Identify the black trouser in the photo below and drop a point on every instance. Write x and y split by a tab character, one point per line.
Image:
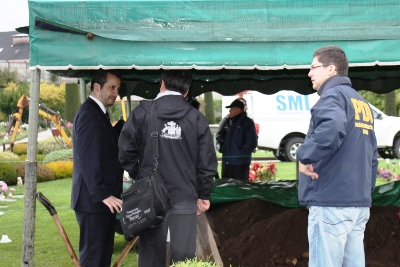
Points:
182	231
240	172
96	241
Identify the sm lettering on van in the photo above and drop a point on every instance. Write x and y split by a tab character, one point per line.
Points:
293	102
362	115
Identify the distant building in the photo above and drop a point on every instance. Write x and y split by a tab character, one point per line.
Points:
14	54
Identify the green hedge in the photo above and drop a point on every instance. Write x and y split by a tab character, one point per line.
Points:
8	174
59	155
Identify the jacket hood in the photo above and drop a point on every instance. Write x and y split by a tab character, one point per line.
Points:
168	106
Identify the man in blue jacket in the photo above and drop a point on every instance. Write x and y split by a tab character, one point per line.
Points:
337	164
240	142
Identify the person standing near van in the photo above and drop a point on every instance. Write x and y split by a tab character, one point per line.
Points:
240	142
337	164
223	128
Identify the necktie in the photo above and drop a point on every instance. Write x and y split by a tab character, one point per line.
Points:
107	115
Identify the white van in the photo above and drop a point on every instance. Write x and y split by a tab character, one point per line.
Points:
283	119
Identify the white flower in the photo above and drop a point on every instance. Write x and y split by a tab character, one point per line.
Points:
5	239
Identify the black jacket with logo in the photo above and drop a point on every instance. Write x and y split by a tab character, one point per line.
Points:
187	162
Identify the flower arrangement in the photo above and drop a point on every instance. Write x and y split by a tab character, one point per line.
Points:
387	175
260	173
3	190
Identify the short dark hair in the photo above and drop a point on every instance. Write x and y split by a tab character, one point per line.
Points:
177	80
100	77
193	101
333	55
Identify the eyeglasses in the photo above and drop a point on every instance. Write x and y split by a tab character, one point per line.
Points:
312	68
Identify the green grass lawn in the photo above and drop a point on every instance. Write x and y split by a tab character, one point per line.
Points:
19	136
49	247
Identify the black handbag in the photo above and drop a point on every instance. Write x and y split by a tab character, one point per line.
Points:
145	203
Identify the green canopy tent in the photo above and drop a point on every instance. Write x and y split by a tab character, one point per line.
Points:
231	46
234	45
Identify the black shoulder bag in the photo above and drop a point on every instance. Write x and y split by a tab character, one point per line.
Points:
145	203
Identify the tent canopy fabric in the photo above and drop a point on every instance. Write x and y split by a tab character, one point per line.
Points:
232	45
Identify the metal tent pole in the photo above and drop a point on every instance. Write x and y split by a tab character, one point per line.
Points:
28	230
82	87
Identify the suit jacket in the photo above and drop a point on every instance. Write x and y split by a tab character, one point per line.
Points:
97	172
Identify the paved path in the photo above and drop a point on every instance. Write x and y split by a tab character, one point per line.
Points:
41	135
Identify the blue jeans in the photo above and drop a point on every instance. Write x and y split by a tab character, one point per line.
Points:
335	236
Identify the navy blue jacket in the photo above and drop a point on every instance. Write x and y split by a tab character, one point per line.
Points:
240	141
341	146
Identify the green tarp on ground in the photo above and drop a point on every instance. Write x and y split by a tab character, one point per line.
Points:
280	192
284	193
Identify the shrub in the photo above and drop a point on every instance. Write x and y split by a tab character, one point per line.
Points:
61	169
7	173
48	145
20	168
39	157
43	174
8	156
63	155
20	148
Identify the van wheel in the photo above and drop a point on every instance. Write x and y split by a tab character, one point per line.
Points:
291	147
396	148
280	157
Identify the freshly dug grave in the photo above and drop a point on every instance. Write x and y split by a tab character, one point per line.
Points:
255	233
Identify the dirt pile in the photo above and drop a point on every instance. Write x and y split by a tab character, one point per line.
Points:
255	233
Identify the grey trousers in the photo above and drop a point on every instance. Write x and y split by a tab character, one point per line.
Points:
153	245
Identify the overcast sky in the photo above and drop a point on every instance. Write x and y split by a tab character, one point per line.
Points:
13	14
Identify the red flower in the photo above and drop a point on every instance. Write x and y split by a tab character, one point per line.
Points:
259	172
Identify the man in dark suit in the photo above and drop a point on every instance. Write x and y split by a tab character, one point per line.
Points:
97	174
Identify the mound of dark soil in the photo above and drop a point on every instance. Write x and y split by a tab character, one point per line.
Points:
255	233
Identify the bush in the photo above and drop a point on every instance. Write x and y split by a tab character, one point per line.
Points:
59	155
20	148
8	174
39	157
20	168
61	169
8	156
43	174
48	145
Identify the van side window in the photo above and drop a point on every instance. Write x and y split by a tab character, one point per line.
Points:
376	115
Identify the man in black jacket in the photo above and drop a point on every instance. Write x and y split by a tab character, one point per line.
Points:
240	142
97	174
187	164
